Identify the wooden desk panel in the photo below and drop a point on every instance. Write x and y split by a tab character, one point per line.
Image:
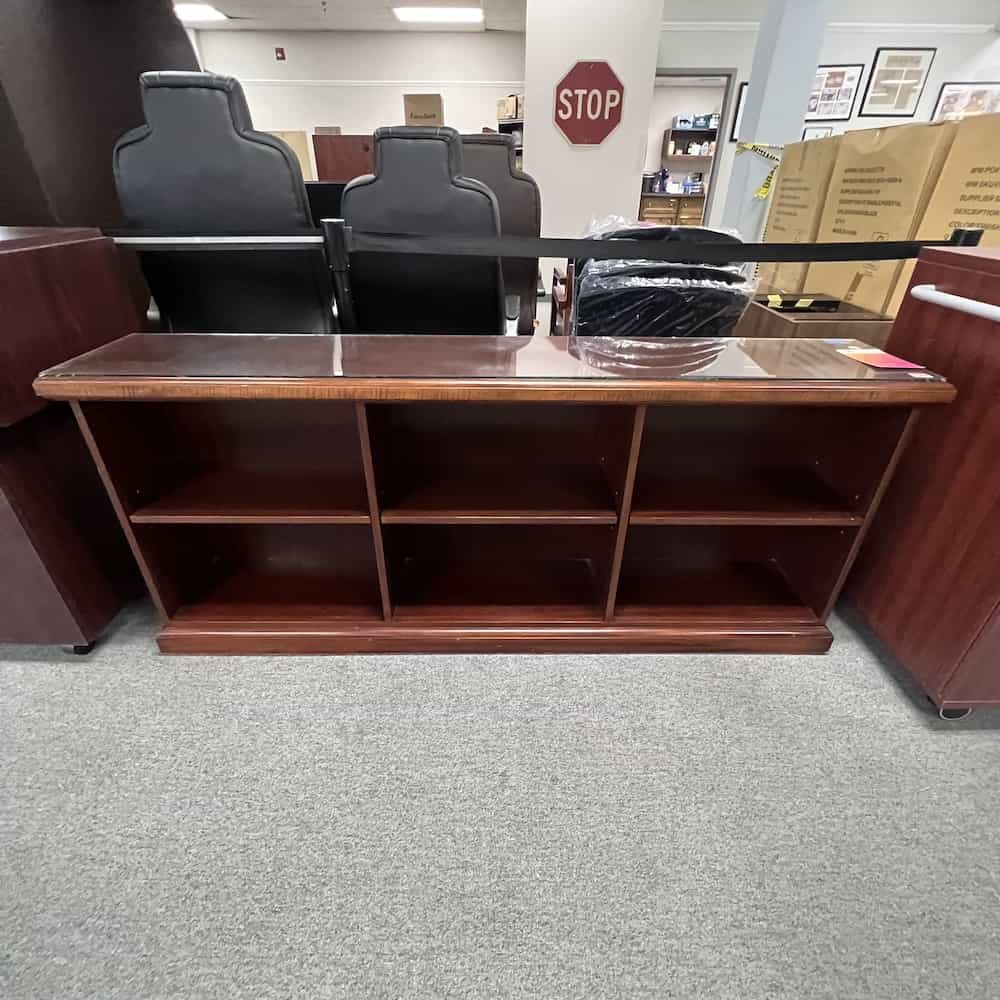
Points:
928	583
64	567
498	476
63	293
343	157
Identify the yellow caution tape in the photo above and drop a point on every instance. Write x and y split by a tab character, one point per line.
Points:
761	149
765	189
772	153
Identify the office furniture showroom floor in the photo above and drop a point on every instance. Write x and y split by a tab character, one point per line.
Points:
642	826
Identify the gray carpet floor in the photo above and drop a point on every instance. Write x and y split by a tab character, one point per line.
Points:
491	826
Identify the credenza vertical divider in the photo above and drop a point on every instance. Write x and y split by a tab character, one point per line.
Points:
872	509
374	507
164	601
625	508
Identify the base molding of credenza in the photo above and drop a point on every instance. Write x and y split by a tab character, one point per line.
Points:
347	638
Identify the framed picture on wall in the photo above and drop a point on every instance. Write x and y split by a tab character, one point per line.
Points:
897	81
960	100
834	92
734	133
817	132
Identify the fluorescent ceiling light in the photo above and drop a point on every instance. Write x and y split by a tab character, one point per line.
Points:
198	12
439	15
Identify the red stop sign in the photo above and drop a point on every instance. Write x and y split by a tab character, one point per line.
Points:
589	103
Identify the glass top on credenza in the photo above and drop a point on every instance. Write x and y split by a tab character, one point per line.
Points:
419	356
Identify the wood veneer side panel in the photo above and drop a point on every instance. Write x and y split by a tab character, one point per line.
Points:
625	511
161	588
928	580
976	678
374	390
59	301
371	488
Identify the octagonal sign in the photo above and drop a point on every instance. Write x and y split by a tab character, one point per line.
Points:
589	103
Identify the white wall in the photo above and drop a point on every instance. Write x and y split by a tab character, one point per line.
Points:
580	182
963	53
357	79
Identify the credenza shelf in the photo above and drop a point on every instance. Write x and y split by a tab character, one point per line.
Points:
249	596
560	518
555	494
242	496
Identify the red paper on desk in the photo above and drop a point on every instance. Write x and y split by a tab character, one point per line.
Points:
875	358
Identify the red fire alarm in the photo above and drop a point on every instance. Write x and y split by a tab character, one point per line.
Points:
279	53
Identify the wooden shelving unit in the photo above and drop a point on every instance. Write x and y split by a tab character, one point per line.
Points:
493	514
675	209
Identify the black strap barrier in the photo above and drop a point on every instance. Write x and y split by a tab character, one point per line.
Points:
673	252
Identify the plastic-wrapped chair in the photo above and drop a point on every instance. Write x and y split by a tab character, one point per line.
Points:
637	298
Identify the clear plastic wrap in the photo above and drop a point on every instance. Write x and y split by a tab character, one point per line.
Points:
643	298
624	305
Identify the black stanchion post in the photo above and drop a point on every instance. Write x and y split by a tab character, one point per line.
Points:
966	237
337	235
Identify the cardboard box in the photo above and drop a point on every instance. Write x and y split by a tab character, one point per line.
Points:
880	186
797	203
423	109
506	108
967	193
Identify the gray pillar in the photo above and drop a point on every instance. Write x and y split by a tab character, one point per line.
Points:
784	64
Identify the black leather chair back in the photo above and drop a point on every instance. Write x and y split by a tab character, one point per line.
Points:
491	159
197	167
418	187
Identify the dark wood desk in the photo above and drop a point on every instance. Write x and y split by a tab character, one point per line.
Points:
65	569
929	584
346	494
343	157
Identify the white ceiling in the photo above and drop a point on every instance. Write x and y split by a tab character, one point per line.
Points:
509	15
355	15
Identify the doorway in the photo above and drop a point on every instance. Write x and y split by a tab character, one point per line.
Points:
685	143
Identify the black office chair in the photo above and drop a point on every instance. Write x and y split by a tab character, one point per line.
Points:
491	159
418	187
197	168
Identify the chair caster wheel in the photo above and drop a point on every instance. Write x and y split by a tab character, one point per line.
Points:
954	714
83	648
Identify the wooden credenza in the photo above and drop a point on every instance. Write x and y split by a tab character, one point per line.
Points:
929	584
392	493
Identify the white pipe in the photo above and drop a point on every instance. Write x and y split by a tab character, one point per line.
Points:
972	307
234	241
